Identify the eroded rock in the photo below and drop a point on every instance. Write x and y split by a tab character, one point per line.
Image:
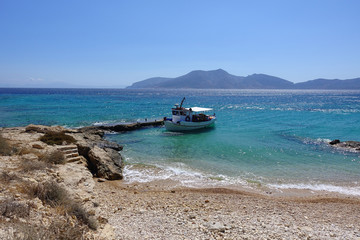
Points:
104	159
107	162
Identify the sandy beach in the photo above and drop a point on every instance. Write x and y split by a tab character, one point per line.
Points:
155	210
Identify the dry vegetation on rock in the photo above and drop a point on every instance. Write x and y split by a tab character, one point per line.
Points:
6	177
57	138
56	196
42	196
11	208
33	165
55	157
5	148
63	229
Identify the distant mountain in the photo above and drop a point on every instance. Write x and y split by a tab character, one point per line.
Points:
263	81
202	79
215	79
329	84
220	79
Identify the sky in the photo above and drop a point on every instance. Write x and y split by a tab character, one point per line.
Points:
114	43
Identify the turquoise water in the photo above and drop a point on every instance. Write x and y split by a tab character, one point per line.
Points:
275	138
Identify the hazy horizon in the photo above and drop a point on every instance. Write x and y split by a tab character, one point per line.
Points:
69	85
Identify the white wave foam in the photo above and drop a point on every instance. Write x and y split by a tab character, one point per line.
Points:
255	108
183	175
143	175
284	109
101	123
179	173
320	187
316	141
337	111
236	106
323	140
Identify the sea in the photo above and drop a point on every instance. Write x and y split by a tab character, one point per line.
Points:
273	139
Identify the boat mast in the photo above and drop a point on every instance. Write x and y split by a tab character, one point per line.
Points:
182	102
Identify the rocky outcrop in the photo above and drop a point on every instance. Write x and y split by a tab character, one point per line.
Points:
25	175
334	142
107	162
102	156
348	145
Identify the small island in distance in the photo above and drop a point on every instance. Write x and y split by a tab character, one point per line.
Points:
220	79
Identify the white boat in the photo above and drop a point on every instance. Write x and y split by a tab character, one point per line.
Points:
187	119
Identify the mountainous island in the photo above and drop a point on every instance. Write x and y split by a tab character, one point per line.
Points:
220	79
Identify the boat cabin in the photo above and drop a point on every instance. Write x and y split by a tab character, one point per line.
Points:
194	114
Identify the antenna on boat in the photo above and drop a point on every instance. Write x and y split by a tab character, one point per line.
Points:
182	102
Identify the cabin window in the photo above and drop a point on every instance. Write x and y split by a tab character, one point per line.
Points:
182	114
175	112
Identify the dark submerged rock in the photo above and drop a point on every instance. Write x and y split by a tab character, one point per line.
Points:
111	145
333	142
349	145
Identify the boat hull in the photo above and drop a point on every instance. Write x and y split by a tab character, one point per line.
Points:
187	126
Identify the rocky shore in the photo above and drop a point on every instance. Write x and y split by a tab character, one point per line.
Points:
47	181
58	183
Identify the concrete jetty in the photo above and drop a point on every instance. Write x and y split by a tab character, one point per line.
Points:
125	127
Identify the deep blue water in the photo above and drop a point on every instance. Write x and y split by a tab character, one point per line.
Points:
275	138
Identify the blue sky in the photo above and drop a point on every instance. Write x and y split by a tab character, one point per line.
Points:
115	43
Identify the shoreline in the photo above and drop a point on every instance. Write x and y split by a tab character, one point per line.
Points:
157	211
291	194
145	174
251	187
169	183
273	185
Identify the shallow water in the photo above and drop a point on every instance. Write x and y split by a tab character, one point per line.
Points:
274	138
